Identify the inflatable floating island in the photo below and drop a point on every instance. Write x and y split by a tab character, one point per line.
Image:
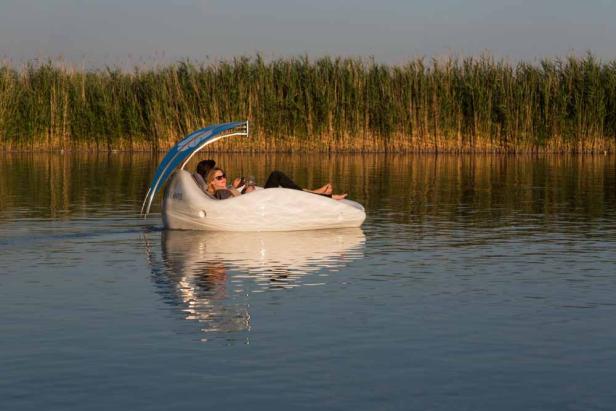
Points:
186	206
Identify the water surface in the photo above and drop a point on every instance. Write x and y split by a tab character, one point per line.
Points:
476	282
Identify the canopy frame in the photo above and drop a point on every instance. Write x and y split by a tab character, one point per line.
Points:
181	153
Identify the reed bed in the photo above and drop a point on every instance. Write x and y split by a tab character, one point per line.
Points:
327	104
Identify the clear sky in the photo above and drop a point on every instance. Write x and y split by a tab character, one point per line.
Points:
128	32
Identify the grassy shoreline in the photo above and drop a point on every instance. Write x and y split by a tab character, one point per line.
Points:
324	105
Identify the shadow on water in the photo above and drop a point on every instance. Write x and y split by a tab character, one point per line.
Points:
203	274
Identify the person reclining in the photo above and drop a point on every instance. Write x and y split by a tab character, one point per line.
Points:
217	185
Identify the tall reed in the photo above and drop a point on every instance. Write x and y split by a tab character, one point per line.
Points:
327	104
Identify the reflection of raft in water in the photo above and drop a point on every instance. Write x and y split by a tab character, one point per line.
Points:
263	252
185	206
193	271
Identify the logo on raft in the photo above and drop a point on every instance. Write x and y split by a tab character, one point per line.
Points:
193	142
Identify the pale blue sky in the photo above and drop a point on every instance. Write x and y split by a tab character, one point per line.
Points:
127	32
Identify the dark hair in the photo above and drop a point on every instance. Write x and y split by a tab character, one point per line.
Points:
204	167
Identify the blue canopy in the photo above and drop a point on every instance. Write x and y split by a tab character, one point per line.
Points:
185	149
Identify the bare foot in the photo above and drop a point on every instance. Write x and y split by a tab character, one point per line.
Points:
339	196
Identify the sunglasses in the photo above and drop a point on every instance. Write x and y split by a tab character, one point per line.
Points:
220	177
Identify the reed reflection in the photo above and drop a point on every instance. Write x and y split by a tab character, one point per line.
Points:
211	276
407	187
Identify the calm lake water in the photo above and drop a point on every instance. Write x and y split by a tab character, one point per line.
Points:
476	283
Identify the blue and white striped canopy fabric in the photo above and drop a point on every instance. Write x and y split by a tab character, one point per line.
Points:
184	150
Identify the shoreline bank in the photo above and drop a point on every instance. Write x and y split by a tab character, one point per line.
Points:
395	145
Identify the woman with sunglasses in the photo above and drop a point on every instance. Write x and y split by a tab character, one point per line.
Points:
217	185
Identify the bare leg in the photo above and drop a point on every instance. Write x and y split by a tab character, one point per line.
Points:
326	189
279	179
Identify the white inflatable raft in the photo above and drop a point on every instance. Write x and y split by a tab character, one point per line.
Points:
186	207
